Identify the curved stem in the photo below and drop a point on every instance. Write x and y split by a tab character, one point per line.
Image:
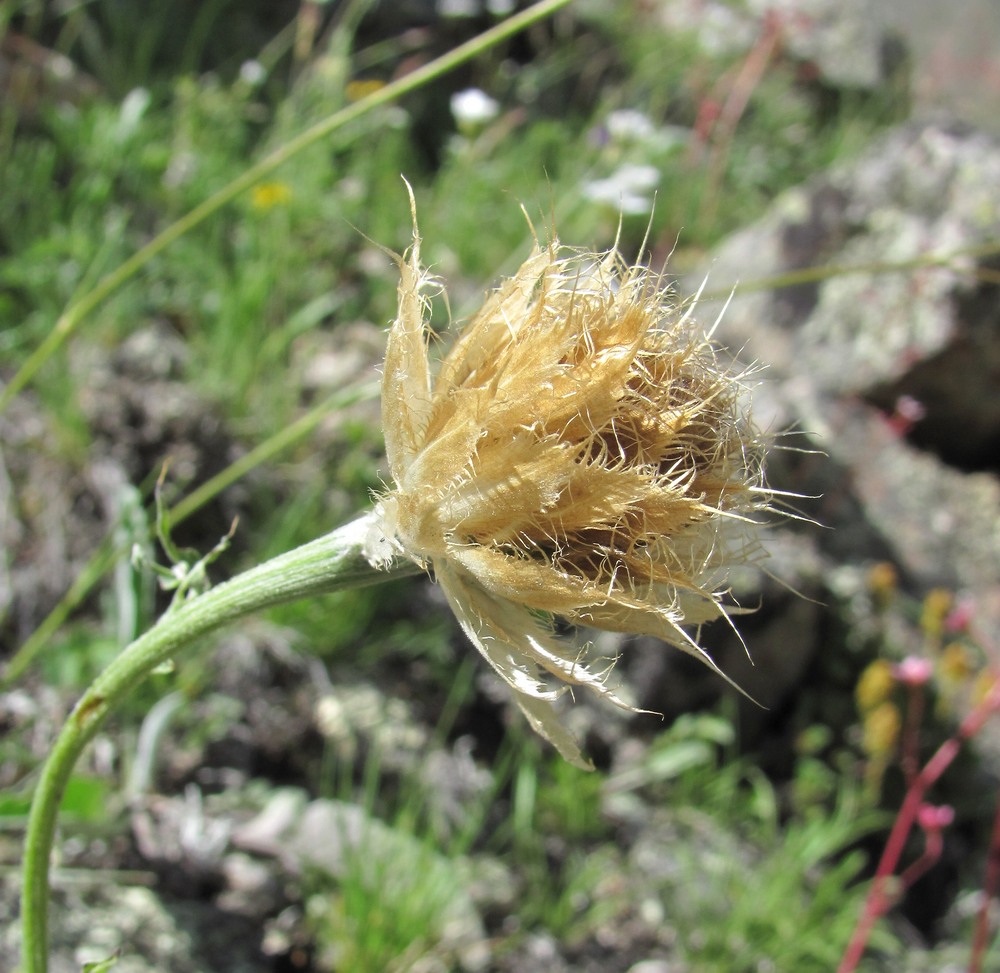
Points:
331	563
107	553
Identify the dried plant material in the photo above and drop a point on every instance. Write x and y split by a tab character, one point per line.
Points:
581	454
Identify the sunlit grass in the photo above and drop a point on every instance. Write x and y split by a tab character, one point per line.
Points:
210	206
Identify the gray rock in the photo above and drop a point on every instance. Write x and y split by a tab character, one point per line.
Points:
890	364
955	53
90	921
839	38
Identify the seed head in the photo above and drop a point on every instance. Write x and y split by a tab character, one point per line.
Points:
580	454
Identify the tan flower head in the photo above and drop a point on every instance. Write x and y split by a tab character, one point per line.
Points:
580	454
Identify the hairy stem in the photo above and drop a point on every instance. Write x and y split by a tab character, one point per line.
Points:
331	563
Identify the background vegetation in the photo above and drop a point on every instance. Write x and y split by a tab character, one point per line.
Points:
251	332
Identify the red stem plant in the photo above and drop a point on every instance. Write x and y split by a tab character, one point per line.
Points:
717	118
883	892
991	885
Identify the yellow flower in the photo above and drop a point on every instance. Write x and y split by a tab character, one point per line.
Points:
956	663
984	684
875	685
880	730
581	453
267	195
363	87
882	582
933	612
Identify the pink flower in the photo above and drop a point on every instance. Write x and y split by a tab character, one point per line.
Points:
935	817
960	617
914	671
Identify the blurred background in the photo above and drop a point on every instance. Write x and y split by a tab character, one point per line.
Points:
342	784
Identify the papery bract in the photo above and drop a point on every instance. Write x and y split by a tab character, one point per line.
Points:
581	453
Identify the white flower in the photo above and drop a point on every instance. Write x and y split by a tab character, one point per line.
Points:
629	125
627	190
252	73
473	108
457	8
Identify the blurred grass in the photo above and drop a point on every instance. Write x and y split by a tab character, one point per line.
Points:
176	110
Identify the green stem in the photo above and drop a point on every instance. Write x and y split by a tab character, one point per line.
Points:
331	563
108	554
822	272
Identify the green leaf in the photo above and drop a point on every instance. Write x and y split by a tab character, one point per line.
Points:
86	798
101	965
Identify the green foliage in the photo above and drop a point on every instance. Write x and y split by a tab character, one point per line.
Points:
756	879
87	798
788	900
395	889
123	45
747	888
389	907
102	965
683	755
568	803
78	656
86	801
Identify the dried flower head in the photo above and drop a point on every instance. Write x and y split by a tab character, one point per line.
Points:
579	455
